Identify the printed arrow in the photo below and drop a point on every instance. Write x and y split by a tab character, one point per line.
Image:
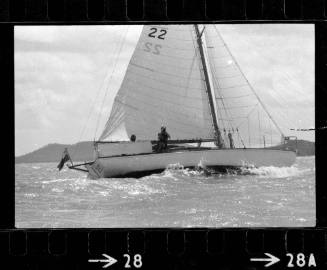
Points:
109	260
271	260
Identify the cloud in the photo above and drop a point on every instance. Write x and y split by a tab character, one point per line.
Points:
74	39
278	60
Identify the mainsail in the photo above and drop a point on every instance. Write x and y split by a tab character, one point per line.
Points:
163	86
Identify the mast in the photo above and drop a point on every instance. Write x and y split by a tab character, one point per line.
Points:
208	87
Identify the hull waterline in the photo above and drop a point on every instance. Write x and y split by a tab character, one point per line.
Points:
145	164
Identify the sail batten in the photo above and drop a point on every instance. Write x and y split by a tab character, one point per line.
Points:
171	89
166	82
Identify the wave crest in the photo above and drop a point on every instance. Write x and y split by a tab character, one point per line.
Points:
272	172
175	170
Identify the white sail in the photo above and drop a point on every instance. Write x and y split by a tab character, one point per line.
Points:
163	86
238	106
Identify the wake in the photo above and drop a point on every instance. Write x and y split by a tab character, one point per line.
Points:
175	170
273	172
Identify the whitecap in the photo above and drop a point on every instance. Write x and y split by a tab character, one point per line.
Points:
30	195
57	190
176	166
104	193
142	190
190	211
273	172
174	171
55	180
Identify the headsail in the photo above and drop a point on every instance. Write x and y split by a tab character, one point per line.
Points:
239	108
163	85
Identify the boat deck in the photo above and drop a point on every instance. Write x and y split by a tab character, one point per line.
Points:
174	148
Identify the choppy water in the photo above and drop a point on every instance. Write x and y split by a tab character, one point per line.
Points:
267	196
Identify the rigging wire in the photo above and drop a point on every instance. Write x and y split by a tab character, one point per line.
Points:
255	93
284	115
240	138
217	89
286	76
270	133
259	127
241	75
249	132
107	88
90	112
247	116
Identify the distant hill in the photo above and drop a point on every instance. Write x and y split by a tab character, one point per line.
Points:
304	148
83	151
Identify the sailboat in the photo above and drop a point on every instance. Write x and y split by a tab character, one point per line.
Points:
185	78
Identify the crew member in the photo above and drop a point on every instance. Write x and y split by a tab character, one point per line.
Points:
163	137
231	141
133	138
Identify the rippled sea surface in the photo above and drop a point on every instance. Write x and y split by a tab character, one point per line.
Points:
266	196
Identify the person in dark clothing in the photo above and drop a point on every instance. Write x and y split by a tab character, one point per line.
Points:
160	144
133	138
163	137
231	141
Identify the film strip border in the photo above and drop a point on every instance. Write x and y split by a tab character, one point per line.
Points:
171	249
176	249
177	10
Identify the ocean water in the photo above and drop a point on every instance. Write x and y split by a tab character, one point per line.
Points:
261	197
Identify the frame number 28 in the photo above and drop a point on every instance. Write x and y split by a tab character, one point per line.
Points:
133	261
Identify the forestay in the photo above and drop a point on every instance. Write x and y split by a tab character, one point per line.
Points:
163	86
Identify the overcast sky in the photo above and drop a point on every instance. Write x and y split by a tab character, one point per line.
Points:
62	74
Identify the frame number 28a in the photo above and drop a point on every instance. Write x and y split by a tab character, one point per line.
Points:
300	260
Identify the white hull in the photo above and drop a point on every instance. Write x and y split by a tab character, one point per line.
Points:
142	164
